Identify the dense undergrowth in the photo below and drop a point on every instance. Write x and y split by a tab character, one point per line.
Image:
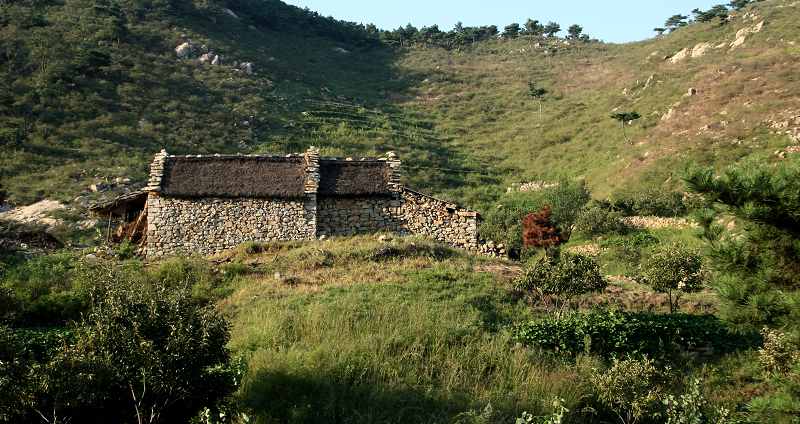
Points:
359	330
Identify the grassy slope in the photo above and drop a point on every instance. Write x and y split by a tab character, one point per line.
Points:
82	127
443	110
479	97
356	330
350	334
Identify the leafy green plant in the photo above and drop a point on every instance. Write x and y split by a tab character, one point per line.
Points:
610	333
631	388
673	270
596	220
556	417
649	202
141	355
555	280
503	223
778	354
688	407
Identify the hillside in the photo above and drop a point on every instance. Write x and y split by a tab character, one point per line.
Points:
746	99
90	93
91	89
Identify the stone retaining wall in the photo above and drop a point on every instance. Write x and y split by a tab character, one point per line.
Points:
211	225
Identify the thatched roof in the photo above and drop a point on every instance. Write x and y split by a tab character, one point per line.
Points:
353	178
234	176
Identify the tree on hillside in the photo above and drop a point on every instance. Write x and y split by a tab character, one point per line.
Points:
739	4
533	27
625	118
511	31
676	21
660	31
574	32
673	270
718	11
551	29
538	94
752	226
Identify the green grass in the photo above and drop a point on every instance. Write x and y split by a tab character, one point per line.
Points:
460	119
414	340
356	330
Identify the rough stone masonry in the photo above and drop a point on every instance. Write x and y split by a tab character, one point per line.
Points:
207	204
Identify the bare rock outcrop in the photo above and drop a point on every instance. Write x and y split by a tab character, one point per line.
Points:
741	35
700	50
185	50
37	213
680	56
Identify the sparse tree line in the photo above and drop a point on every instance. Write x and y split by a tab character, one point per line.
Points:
719	12
463	36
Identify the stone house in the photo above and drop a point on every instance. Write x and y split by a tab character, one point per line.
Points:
207	204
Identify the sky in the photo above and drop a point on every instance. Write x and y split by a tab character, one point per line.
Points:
609	20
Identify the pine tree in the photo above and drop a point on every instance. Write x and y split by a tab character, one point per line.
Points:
676	21
551	29
752	226
575	32
511	31
533	27
537	93
625	118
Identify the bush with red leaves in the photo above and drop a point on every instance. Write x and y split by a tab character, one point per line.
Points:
538	231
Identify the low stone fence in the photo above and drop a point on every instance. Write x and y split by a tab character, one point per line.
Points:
657	222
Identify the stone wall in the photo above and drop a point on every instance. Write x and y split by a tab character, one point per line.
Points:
440	220
211	225
342	216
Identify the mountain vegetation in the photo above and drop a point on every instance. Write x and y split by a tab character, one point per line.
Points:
647	194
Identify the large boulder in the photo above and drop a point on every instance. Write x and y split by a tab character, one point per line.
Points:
185	50
247	67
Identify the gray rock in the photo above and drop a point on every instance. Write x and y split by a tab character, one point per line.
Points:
185	50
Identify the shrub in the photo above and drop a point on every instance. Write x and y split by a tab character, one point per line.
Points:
630	387
44	290
14	376
779	354
140	354
504	223
649	202
557	280
692	407
673	270
596	221
538	230
609	333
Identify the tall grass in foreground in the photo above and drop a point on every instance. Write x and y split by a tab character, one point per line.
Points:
424	350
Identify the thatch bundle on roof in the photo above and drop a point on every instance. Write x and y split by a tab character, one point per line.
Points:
234	176
353	178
